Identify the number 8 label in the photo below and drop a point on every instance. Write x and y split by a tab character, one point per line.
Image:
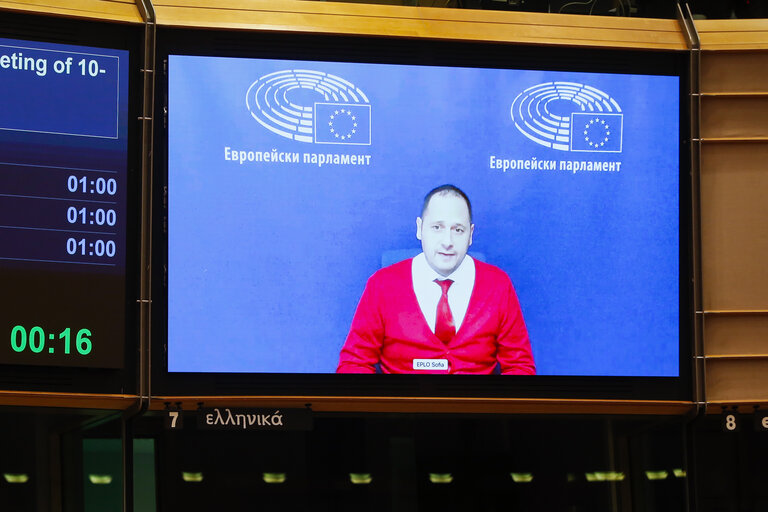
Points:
730	423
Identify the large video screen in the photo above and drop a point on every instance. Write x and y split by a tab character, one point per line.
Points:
63	201
299	240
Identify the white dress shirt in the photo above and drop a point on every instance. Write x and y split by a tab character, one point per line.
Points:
428	292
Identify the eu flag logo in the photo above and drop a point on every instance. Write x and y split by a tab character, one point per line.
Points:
594	131
343	123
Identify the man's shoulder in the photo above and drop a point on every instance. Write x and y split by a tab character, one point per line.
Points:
396	271
482	267
491	275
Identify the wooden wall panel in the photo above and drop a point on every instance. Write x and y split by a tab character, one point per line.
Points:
733	34
737	380
124	11
734	117
433	23
734	211
736	334
734	226
69	400
421	405
734	71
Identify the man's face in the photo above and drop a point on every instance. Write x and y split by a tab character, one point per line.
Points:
445	232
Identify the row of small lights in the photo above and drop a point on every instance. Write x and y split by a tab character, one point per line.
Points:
22	478
447	478
366	478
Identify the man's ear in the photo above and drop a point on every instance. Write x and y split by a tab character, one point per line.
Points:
418	228
471	231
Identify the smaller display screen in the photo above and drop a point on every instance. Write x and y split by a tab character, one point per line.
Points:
63	194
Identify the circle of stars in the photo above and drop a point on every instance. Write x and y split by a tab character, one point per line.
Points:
352	131
597	143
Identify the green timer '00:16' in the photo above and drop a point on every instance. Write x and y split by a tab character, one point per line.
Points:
37	338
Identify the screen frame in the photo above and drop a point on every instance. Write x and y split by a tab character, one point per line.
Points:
315	47
95	34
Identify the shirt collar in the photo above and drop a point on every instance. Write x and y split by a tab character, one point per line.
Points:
424	273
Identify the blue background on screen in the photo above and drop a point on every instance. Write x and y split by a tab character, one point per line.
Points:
60	89
267	260
56	125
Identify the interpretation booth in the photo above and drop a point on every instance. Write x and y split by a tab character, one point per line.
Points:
217	248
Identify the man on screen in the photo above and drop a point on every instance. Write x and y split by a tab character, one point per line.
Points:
442	311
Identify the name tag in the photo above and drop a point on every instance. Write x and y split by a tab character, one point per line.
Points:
430	364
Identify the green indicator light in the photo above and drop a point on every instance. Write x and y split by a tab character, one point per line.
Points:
273	478
50	350
522	478
188	476
605	476
440	478
360	478
100	479
16	478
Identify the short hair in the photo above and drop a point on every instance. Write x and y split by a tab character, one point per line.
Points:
446	190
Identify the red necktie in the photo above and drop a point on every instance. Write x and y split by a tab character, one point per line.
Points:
445	329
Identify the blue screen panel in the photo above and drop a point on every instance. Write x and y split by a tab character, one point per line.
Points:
289	181
64	201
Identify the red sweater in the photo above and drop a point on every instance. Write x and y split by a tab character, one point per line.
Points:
389	328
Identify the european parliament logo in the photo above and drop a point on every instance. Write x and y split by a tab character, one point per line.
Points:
311	106
569	116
